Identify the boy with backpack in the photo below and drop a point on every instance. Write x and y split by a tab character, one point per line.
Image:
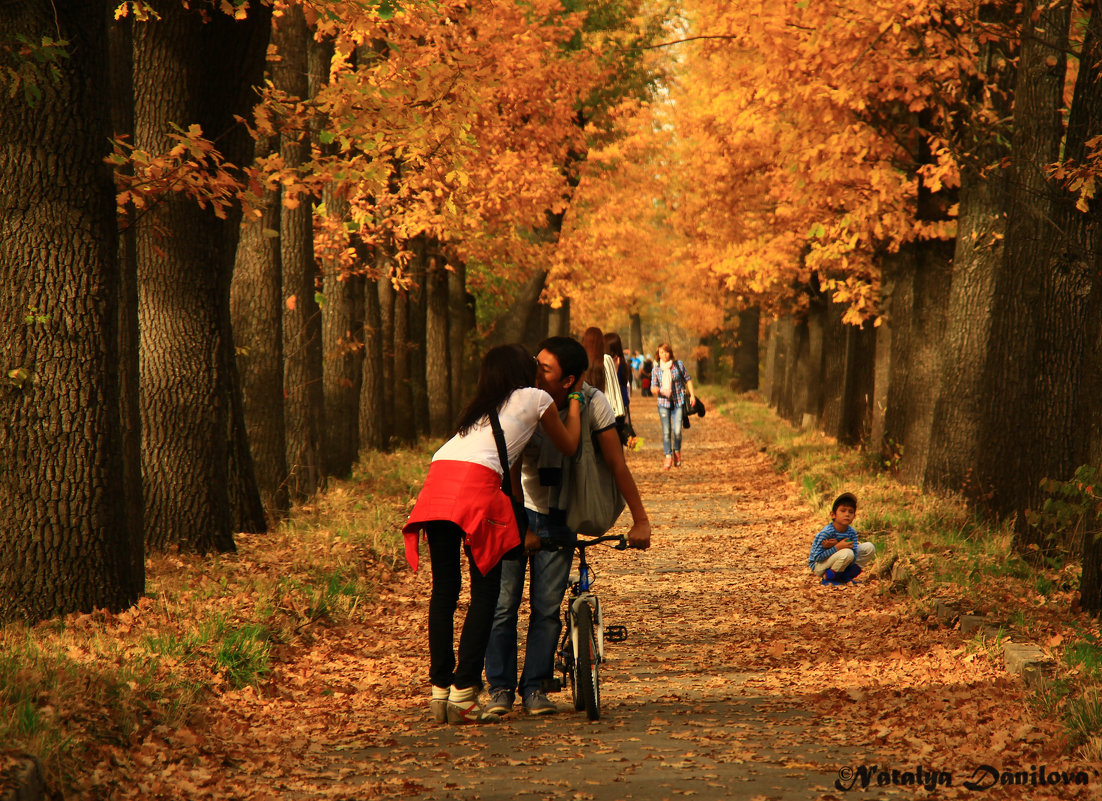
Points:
562	360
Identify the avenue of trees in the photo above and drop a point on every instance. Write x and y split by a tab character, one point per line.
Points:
908	191
243	240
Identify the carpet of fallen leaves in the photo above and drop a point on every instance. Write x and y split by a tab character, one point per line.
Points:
742	677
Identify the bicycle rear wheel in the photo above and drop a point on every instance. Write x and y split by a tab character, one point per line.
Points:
587	688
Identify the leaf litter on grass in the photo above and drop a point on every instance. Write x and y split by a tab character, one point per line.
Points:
740	673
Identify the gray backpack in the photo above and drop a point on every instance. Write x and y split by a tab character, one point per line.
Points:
593	501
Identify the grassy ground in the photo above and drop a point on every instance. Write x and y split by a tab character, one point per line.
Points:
931	546
204	627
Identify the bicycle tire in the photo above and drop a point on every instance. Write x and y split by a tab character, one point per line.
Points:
585	662
572	674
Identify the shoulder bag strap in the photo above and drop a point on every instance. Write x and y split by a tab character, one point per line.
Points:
502	453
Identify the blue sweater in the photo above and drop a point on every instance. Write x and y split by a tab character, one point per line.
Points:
819	553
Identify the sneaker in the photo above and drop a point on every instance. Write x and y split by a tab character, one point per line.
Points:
463	707
677	459
539	704
851	573
501	702
439	704
668	463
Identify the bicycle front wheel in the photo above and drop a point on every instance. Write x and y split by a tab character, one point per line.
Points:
586	682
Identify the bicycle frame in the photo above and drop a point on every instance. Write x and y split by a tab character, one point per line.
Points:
582	673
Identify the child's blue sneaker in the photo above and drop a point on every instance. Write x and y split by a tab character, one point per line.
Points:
850	573
831	579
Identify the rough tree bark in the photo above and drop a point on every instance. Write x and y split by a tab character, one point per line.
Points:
342	319
437	361
1028	390
302	371
457	336
256	303
373	433
65	543
189	71
746	350
418	310
384	287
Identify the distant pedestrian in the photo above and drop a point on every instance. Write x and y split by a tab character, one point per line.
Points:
673	384
645	373
615	348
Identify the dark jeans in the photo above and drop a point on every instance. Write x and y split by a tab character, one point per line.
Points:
547	585
445	541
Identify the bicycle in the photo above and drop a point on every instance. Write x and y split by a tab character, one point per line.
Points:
582	648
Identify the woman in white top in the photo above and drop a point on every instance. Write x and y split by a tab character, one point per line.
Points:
462	506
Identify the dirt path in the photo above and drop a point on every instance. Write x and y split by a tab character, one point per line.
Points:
741	677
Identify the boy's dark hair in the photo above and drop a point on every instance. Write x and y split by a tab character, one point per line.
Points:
570	354
845	499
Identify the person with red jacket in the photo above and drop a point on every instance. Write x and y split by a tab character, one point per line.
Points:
462	506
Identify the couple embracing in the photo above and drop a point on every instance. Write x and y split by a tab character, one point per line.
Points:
493	491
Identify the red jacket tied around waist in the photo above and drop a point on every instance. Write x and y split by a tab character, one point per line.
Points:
469	495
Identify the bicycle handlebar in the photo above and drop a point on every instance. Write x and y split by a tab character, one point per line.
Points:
551	545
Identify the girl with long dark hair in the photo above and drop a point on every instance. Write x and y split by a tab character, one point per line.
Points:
462	507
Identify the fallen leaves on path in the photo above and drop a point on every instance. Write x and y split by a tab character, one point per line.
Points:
741	676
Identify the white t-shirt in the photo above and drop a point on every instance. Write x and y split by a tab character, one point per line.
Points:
520	417
537	497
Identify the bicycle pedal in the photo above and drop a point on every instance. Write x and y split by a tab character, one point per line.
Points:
616	633
551	685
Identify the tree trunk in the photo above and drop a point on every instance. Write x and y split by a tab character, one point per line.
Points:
437	361
514	324
182	67
746	350
302	346
1075	269
342	342
558	323
457	336
66	544
256	302
384	287
809	392
404	422
374	434
955	434
417	332
121	59
1029	398
917	321
636	335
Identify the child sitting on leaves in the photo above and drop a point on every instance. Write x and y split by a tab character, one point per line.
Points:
836	555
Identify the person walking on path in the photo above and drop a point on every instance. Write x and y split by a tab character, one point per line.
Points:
562	361
462	506
672	383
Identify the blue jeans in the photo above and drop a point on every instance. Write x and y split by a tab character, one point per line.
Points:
549	573
671	428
